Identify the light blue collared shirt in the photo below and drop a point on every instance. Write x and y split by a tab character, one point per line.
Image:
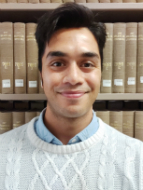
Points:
44	134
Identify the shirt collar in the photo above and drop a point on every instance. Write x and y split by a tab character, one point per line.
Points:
47	136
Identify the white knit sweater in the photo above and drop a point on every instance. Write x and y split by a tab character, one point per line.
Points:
108	160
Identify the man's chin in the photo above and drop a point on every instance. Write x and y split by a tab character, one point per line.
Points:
73	113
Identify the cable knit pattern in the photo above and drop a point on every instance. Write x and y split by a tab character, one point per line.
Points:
13	163
109	160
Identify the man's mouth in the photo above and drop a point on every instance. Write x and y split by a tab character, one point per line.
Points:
72	94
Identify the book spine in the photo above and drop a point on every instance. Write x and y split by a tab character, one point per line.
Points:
80	1
139	125
45	1
2	1
32	59
139	1
29	116
6	41
41	90
22	1
0	63
56	1
18	119
119	31
92	1
65	1
131	57
33	1
104	1
116	120
104	115
128	123
38	113
129	1
140	58
19	59
116	1
106	81
5	122
11	1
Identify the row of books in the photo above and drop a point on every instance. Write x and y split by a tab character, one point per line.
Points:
19	59
22	105
122	64
123	58
76	1
11	120
127	122
116	105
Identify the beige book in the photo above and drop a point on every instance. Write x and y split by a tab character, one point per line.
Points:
29	116
80	1
32	59
18	119
6	41
116	1
5	122
139	125
19	59
128	123
115	119
44	1
140	58
22	1
106	79
0	64
38	113
41	91
92	1
33	1
129	1
104	115
119	32
104	1
21	105
131	57
11	1
56	1
65	1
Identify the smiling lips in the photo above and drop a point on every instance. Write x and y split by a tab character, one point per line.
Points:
71	94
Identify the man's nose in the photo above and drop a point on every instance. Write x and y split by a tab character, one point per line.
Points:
73	74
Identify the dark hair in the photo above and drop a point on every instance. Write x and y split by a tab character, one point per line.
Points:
68	15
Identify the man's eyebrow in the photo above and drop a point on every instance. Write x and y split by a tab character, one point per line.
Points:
56	54
62	54
90	54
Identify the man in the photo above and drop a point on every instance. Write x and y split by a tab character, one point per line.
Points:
68	147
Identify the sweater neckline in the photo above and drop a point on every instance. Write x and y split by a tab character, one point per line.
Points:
64	149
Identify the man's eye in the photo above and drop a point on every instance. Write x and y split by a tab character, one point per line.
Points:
87	65
57	64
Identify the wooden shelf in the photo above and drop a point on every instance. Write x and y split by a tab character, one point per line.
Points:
107	12
101	96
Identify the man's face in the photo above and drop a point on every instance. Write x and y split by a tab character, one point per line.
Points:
71	72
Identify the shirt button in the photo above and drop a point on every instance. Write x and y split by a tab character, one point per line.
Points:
73	140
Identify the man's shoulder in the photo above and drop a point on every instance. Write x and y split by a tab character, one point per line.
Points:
115	135
13	134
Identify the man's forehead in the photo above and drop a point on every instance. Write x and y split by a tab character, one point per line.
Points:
72	34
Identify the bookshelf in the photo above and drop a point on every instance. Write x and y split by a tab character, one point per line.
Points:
108	12
101	96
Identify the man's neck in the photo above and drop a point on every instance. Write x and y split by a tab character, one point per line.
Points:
66	128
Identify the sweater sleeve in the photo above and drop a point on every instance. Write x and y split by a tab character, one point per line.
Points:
141	168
